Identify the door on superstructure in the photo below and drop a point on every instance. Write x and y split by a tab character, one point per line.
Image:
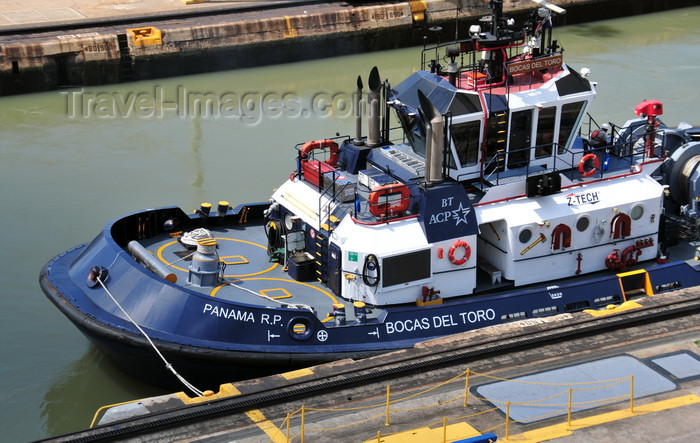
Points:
519	139
334	263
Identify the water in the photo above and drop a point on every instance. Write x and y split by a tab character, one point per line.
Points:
71	161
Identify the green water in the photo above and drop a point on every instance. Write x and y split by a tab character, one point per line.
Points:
72	160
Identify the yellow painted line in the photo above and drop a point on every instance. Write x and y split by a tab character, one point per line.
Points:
269	428
297	374
564	429
226	390
276	297
626	306
291	31
242	260
328	294
162	248
300	204
457	431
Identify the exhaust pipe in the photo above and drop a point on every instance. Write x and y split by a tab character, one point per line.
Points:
434	140
375	87
358	113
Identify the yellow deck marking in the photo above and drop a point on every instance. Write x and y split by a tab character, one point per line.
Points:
298	373
269	428
162	248
276	297
563	429
456	431
626	306
225	390
328	294
242	260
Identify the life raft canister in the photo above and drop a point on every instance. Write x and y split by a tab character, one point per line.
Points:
379	204
321	144
467	252
582	165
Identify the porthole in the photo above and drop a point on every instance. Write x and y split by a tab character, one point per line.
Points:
525	235
583	223
637	212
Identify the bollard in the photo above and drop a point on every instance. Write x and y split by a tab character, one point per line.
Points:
568	415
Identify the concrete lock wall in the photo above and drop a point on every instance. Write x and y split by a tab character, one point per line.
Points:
39	63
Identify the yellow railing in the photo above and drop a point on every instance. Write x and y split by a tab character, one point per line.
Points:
385	409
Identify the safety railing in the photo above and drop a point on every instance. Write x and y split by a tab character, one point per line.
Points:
295	426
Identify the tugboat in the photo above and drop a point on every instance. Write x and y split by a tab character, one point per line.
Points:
491	205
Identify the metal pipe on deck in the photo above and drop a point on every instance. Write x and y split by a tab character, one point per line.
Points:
152	263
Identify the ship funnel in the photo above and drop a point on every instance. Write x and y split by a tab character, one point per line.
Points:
358	113
434	140
375	87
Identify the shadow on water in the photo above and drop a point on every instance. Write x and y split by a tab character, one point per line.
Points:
82	388
601	30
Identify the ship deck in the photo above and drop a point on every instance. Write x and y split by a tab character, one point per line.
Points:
249	277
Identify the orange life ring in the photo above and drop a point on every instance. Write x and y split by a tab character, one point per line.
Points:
467	252
582	165
387	208
321	144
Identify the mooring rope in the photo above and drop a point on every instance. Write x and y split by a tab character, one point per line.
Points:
167	363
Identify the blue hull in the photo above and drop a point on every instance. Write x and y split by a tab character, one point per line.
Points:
211	340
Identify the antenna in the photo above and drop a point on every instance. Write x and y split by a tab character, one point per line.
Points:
552	7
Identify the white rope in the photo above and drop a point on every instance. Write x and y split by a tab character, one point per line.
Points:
250	291
180	259
167	363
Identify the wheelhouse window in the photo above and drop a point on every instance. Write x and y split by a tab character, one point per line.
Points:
570	116
545	131
414	132
465	137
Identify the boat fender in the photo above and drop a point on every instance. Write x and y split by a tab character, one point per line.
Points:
96	273
586	161
321	144
300	328
467	252
370	271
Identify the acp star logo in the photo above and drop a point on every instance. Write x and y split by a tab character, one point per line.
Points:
459	215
